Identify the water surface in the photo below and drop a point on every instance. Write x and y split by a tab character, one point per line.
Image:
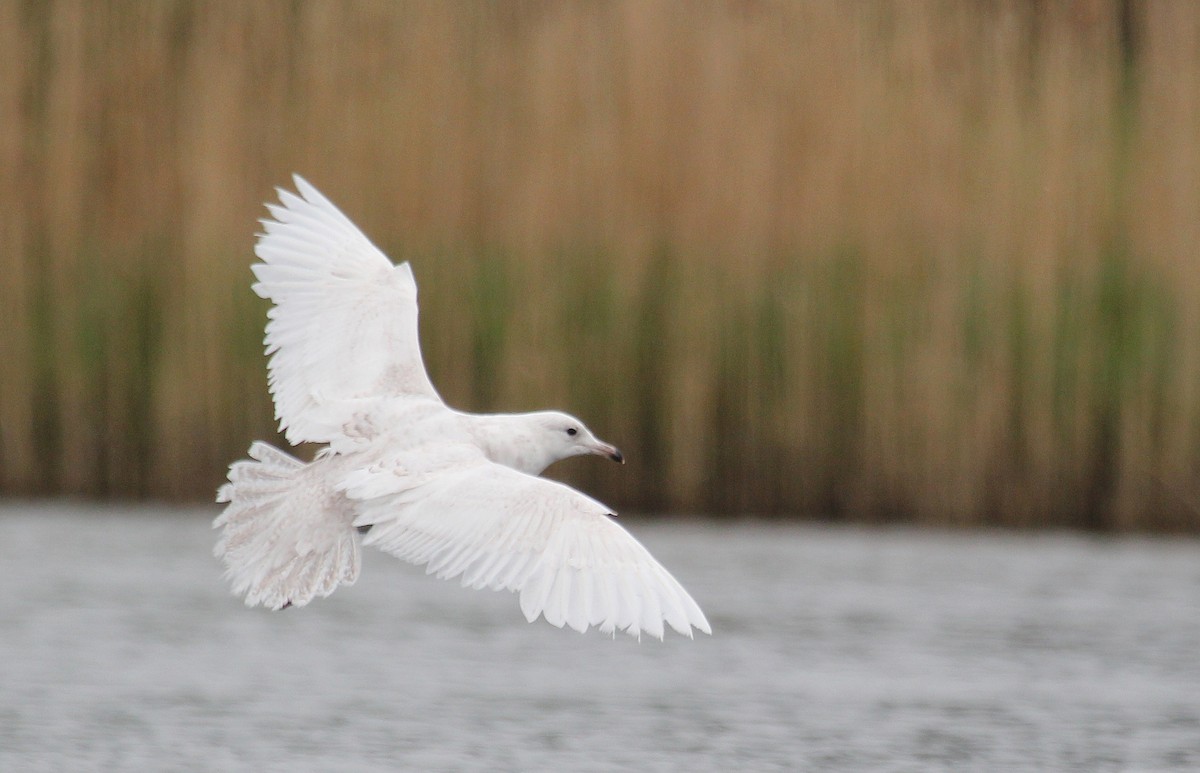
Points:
833	649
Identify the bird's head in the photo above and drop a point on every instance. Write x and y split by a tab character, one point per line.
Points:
564	435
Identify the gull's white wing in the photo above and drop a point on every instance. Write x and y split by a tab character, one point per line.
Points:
502	529
344	325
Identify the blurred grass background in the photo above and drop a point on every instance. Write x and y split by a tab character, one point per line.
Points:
928	262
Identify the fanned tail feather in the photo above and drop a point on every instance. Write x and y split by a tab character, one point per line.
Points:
287	537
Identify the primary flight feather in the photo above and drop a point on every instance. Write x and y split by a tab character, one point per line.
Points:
456	492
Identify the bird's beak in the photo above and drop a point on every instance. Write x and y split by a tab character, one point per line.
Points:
612	452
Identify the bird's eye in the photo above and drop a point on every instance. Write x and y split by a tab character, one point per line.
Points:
572	431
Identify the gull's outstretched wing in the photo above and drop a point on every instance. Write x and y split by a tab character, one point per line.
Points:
502	529
344	324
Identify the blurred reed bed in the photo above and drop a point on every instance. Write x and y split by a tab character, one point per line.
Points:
918	261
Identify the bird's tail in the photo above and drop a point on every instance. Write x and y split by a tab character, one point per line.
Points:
287	536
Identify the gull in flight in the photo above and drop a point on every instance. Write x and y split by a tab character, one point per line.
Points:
459	493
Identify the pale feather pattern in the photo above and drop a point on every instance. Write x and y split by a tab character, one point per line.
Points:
502	529
344	324
287	537
456	492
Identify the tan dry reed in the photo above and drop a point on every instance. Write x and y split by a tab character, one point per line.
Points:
922	261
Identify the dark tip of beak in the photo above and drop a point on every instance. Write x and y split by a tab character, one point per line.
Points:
617	456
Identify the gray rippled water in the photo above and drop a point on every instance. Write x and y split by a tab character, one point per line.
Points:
833	649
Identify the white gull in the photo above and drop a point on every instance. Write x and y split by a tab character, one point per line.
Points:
456	492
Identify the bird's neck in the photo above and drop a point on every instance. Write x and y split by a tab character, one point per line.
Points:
509	439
